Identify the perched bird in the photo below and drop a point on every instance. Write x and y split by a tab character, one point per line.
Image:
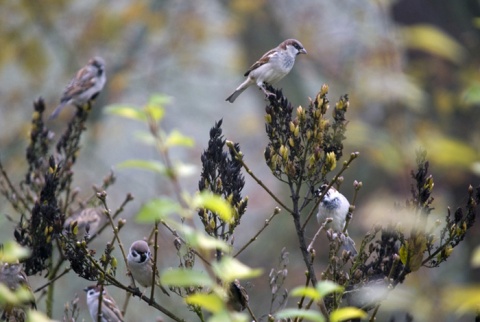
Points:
335	206
14	278
110	311
140	264
237	296
85	221
84	87
271	68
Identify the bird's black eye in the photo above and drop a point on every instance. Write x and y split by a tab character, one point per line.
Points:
90	292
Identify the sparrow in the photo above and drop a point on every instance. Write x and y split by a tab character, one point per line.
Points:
237	296
271	68
110	311
84	87
85	222
13	276
335	206
140	264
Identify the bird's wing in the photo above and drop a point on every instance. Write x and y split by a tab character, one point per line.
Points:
262	61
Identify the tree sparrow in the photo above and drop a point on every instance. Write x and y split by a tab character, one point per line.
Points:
140	264
110	311
271	68
84	87
13	276
86	221
335	206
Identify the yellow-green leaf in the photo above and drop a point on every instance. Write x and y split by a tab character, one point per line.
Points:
157	209
185	277
347	313
215	204
11	252
309	315
199	240
309	292
210	302
229	269
327	287
175	138
37	316
150	165
126	111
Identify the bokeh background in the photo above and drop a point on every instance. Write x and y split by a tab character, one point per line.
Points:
410	68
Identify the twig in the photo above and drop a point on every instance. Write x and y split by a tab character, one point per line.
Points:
154	271
239	157
322	227
254	238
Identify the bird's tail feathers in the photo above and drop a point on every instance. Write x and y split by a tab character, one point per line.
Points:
57	110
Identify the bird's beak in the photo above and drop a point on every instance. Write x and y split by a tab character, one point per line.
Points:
303	51
85	289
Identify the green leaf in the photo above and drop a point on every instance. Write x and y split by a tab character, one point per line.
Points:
11	252
214	203
210	302
155	106
176	138
347	313
309	292
226	316
126	111
157	209
185	277
293	313
37	316
326	287
150	165
199	240
229	269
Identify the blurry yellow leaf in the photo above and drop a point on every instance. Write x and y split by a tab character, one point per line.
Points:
199	240
461	300
229	269
309	315
37	316
309	292
176	138
326	287
126	111
11	252
347	313
149	165
157	209
210	302
214	203
433	40
185	277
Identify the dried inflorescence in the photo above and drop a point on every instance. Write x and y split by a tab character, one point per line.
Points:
44	225
385	262
221	174
37	150
307	146
80	257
